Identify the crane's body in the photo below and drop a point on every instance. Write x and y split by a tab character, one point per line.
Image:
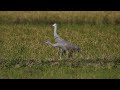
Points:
65	46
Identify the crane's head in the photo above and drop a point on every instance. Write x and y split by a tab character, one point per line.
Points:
54	24
47	42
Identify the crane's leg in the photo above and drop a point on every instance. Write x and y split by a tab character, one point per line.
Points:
59	52
70	54
62	53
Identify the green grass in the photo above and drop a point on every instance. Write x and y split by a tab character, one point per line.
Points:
23	53
63	70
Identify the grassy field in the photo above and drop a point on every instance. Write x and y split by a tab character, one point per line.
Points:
23	53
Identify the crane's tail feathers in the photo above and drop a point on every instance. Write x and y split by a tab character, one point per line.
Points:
78	49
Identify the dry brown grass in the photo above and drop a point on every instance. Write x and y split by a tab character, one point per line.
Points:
91	17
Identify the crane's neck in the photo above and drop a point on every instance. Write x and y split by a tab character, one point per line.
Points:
55	32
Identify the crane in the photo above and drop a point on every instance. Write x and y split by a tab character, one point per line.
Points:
64	46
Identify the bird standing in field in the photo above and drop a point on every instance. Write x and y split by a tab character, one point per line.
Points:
65	47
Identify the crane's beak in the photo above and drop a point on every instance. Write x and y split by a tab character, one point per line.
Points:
54	24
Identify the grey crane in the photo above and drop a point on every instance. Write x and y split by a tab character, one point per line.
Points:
64	46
